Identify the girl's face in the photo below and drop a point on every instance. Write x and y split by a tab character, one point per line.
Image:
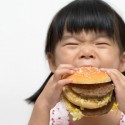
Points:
87	49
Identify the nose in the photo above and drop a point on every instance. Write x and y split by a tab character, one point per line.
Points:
87	52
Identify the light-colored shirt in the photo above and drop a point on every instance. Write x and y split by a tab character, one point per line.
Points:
60	116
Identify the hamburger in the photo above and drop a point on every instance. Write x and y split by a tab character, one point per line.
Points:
91	93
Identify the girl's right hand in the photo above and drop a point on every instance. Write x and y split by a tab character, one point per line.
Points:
52	91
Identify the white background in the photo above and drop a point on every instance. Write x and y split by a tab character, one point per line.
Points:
23	66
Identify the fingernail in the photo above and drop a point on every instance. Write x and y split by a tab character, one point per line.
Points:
72	71
76	69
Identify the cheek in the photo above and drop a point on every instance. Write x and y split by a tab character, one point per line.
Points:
59	60
63	60
111	60
65	57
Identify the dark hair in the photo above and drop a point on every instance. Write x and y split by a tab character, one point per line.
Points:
87	15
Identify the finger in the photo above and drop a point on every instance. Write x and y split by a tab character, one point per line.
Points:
117	77
62	83
60	72
67	66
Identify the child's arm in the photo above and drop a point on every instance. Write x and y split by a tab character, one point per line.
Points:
50	95
40	115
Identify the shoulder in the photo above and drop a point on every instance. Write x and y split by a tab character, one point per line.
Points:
59	115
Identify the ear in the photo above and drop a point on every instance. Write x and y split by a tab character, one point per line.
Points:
122	63
51	61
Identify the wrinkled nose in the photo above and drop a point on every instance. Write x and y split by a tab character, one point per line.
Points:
87	52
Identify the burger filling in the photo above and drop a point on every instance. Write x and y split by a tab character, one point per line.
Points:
92	90
86	102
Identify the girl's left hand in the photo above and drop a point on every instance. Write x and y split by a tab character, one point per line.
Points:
119	81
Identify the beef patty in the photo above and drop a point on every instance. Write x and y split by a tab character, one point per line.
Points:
92	90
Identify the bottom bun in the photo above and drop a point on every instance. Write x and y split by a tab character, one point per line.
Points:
77	113
99	111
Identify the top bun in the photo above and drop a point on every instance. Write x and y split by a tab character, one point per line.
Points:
89	75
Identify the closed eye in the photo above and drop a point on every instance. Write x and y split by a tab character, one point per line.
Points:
71	44
102	43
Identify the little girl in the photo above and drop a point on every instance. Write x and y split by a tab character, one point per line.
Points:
83	33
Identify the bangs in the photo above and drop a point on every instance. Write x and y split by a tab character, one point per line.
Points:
87	15
94	18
